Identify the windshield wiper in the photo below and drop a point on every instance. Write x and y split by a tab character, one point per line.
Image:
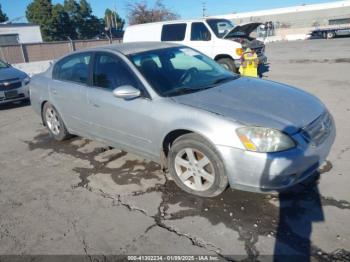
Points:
186	89
180	90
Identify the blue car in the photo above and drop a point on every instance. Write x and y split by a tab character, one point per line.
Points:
13	84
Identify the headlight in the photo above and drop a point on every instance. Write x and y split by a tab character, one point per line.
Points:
26	80
264	140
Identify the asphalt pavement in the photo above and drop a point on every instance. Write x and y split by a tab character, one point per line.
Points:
79	197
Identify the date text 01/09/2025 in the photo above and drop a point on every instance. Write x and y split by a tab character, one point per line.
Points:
174	258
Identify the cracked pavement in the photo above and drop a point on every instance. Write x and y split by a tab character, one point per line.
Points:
83	197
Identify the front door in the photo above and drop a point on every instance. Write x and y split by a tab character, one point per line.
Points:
127	123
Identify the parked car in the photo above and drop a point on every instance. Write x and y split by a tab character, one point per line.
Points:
173	105
13	84
217	38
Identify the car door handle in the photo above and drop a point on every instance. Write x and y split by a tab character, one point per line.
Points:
54	91
95	105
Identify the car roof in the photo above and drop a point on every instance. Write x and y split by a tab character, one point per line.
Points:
178	21
133	47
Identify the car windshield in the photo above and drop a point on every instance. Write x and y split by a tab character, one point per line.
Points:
180	70
3	64
220	26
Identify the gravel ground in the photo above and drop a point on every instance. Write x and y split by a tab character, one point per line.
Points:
80	197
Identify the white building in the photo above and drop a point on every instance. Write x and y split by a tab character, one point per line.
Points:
19	33
314	15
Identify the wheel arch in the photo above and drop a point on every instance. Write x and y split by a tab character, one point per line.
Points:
170	138
41	111
220	56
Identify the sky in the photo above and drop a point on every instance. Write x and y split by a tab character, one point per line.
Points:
185	8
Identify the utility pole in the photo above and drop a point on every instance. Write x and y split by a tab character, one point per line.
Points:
204	9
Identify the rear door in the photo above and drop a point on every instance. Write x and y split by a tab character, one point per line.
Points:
125	123
68	90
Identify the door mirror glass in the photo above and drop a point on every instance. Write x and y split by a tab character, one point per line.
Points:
126	92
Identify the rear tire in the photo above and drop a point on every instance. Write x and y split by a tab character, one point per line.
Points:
54	123
196	166
228	64
330	35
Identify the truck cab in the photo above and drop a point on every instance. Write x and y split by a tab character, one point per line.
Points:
217	38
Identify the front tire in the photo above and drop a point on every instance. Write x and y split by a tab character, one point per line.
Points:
228	64
54	123
196	166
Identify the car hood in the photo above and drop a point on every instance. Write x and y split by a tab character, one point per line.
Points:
11	73
258	103
242	30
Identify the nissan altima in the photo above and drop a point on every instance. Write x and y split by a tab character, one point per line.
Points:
171	104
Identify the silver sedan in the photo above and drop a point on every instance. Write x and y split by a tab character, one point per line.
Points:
171	104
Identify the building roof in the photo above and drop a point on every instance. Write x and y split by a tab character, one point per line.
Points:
17	25
286	10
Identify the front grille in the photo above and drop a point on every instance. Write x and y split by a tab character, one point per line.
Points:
317	131
10	84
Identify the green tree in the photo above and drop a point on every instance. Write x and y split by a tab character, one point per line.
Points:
62	27
85	23
3	16
71	7
90	24
73	19
113	20
85	9
39	12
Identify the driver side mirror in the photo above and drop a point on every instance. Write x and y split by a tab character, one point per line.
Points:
126	92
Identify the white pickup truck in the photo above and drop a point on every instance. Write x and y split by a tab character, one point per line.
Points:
216	38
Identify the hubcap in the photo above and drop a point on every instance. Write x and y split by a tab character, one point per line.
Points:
52	121
194	169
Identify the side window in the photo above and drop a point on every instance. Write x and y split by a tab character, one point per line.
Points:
173	32
199	32
110	72
74	68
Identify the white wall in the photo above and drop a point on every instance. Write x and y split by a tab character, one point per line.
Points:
27	34
286	10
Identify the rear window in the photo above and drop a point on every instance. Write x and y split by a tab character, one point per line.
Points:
199	32
74	68
173	32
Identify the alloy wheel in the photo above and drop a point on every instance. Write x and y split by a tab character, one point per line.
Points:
52	121
194	169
